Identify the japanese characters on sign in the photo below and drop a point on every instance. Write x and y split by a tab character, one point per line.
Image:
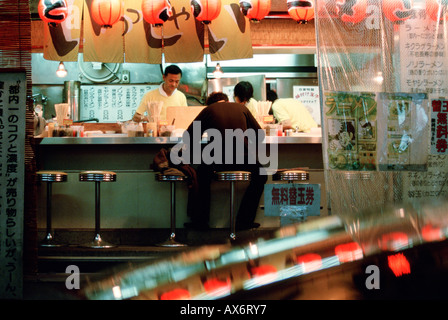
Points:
293	202
423	55
12	166
111	103
309	96
439	132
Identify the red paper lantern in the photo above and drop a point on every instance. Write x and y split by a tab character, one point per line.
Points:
52	11
437	9
301	10
398	10
106	12
156	12
205	10
351	11
255	10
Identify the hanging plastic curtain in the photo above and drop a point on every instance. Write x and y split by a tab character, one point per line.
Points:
381	68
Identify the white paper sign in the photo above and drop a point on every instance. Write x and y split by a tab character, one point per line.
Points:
309	96
111	103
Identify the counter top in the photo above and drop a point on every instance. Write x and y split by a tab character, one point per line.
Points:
301	138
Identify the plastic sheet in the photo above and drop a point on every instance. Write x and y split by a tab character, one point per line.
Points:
382	72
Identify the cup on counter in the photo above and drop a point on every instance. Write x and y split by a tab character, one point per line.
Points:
152	126
165	131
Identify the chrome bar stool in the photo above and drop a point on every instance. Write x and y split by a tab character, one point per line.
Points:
232	177
291	176
49	177
97	177
172	179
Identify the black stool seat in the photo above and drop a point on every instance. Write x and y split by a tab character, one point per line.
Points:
232	177
49	177
97	176
291	175
171	242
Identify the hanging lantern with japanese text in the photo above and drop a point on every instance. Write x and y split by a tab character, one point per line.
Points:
156	12
52	11
106	12
398	10
350	11
301	10
437	9
255	10
205	10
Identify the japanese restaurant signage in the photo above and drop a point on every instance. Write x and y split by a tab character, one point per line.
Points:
12	177
439	125
292	202
132	39
112	103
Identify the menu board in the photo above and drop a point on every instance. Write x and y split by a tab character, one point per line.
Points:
111	103
423	53
12	181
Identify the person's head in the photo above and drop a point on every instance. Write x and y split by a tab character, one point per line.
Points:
171	78
215	97
271	95
243	91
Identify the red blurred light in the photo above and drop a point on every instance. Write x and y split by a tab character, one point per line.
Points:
393	241
430	233
176	294
310	262
348	252
214	284
263	270
399	264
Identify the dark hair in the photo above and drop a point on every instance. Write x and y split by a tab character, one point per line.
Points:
244	91
173	69
215	97
271	95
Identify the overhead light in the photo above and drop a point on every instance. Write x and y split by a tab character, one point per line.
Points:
61	72
217	73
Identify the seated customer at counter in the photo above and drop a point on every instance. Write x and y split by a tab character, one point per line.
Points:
220	114
244	93
167	93
291	113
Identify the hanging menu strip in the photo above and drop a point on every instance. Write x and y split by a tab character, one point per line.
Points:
111	103
12	181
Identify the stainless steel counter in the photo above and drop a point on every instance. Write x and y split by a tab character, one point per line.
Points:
300	139
136	199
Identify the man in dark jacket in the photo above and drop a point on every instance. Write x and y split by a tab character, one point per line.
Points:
234	135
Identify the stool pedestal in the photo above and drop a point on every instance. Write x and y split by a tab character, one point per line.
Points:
97	177
232	177
50	177
172	179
